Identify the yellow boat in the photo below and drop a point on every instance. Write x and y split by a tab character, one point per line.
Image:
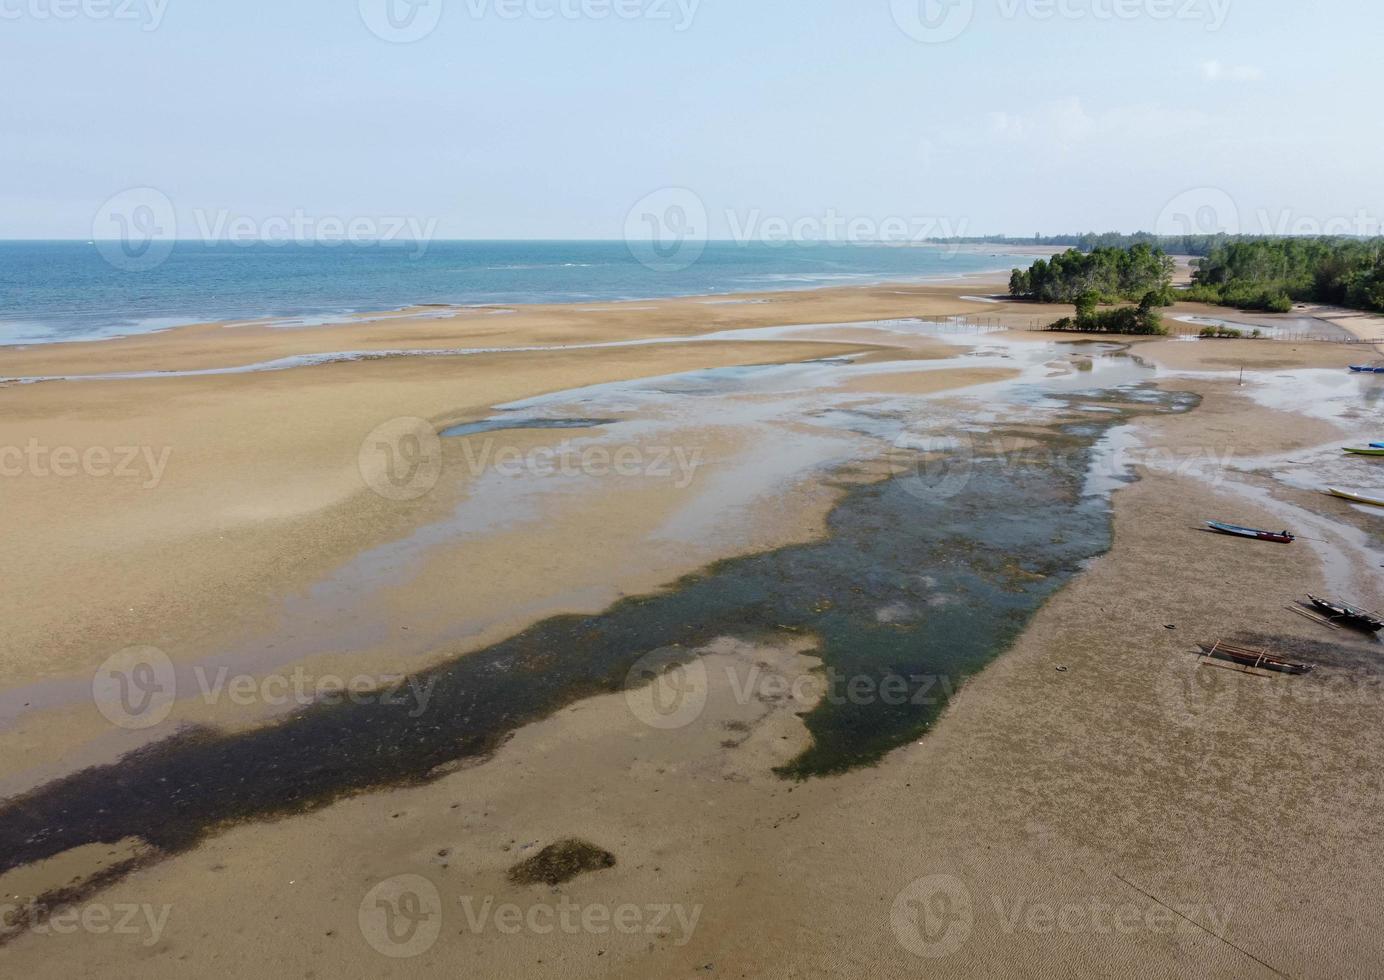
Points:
1365	452
1355	497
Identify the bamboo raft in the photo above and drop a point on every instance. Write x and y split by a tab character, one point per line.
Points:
1314	617
1251	658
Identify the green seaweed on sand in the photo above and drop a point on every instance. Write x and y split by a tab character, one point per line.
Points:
561	862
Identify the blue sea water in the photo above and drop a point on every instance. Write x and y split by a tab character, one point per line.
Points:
64	291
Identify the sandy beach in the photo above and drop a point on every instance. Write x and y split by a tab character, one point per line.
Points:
560	489
391	499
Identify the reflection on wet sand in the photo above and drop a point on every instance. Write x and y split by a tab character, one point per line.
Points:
922	579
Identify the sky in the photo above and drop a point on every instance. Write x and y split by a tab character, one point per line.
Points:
820	118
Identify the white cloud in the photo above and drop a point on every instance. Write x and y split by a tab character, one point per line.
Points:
1066	126
1065	122
1215	71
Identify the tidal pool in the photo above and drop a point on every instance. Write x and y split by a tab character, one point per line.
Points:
922	580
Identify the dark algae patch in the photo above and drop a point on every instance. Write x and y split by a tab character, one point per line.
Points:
914	589
561	862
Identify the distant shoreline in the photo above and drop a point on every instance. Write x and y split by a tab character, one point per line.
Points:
616	279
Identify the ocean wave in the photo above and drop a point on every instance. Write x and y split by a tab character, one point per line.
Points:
538	266
67	292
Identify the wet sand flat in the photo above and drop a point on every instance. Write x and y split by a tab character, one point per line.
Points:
1119	785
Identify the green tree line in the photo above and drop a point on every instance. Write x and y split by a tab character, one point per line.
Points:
1090	241
1107	274
1141	319
1270	274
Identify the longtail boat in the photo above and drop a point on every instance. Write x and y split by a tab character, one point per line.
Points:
1358	498
1372	451
1348	615
1281	537
1252	658
1368	368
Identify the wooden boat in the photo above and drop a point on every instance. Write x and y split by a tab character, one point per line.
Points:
1247	657
1348	615
1373	451
1281	537
1358	498
1368	368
